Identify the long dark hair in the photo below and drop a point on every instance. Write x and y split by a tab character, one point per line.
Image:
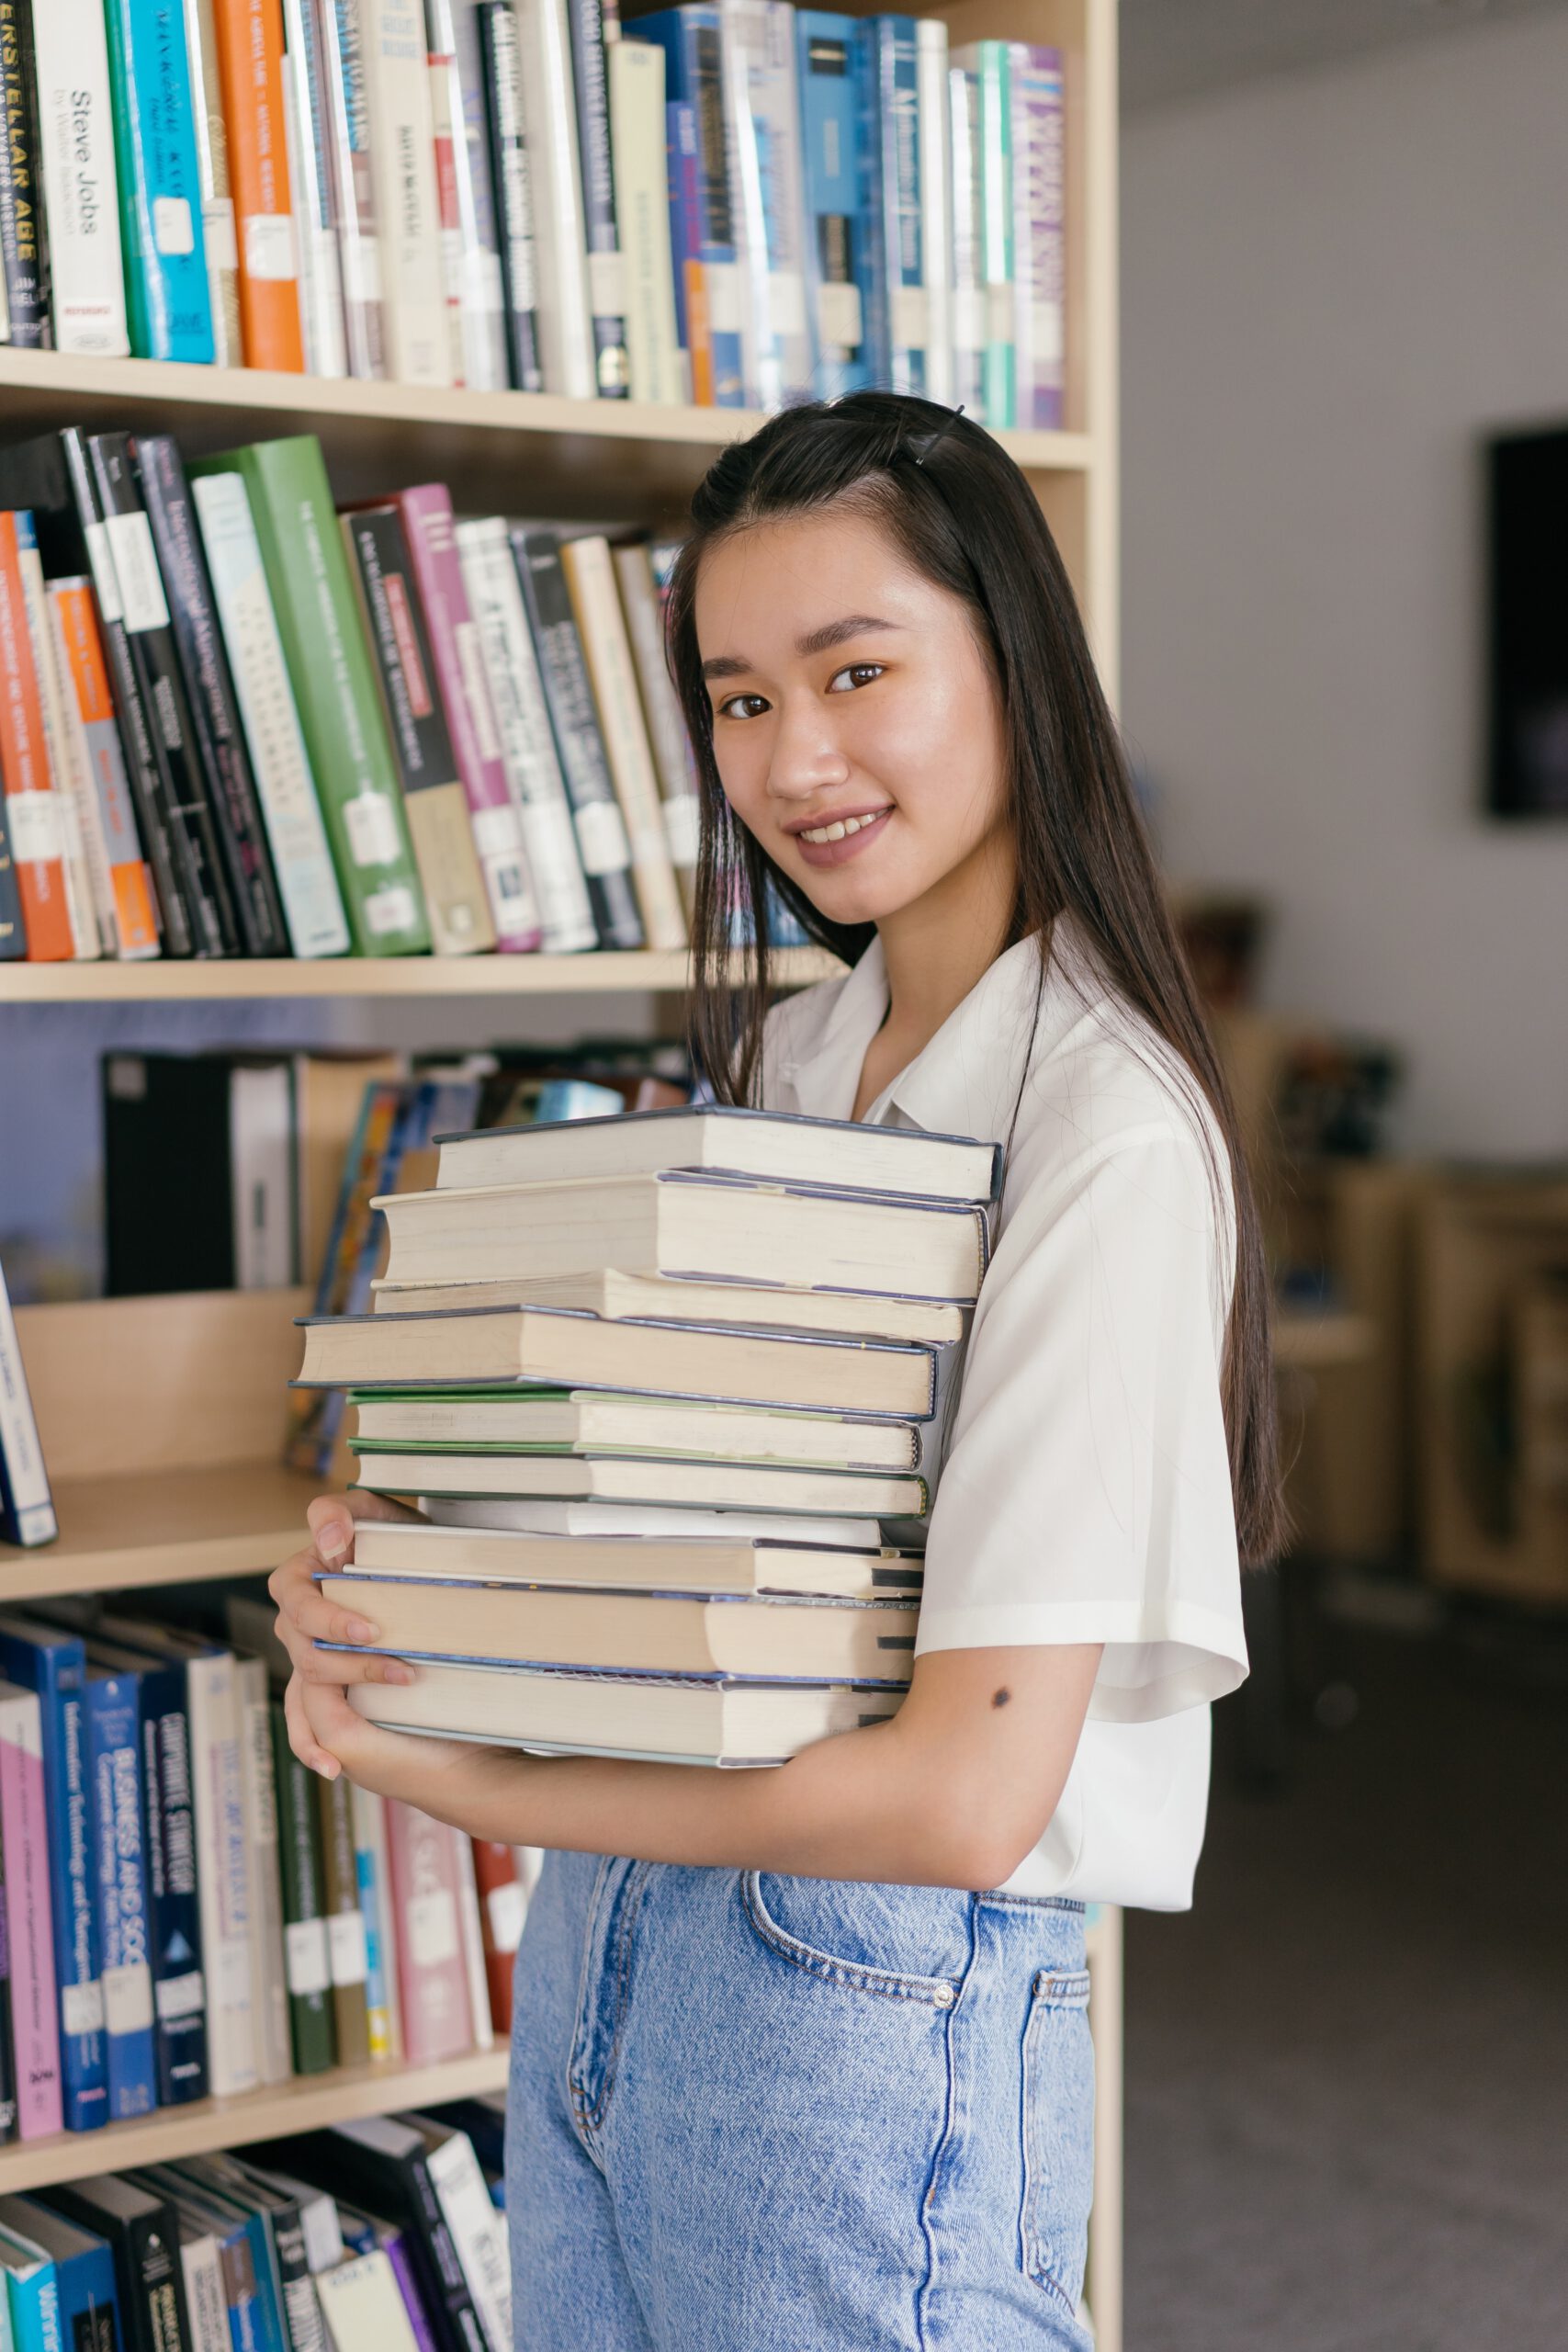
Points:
964	516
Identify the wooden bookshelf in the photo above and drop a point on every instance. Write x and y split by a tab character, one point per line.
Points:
165	982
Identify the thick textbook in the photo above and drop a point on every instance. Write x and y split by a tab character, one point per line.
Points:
1039	232
140	2233
620	1298
394	92
560	1347
87	283
586	1420
637	137
24	240
162	229
29	1926
426	1896
560	232
712	1564
129	912
26	1507
606	282
674	1716
34	805
641	1478
778	1147
112	1715
492	25
250	58
88	2319
471	261
776	1637
307	1953
693	40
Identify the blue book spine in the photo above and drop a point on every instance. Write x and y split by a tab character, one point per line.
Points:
112	1705
693	41
160	185
34	2298
891	161
685	232
179	1989
54	1666
271	2330
826	47
89	2313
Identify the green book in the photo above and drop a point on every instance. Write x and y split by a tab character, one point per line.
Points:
993	162
307	1952
347	1950
330	667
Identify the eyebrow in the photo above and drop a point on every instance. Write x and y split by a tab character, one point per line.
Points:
816	640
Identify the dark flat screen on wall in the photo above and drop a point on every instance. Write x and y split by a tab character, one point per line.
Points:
1528	525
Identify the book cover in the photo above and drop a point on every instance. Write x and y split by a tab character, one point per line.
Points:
162	229
989	61
307	1955
347	1950
527	745
836	233
471	241
112	1709
643	605
561	245
129	573
431	1974
637	137
936	203
81	194
249	63
894	281
602	843
440	613
681	164
24	241
332	673
297	837
26	1506
33	811
273	2051
433	798
307	119
383	2009
592	28
393	60
766	147
1039	233
34	2029
494	26
692	41
354	185
53	1666
217	738
212	180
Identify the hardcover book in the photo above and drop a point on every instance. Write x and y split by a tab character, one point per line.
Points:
112	1714
127	906
250	60
638	1298
475	300
162	227
606	279
716	1563
24	244
837	226
75	115
33	2022
33	807
342	74
635	1478
560	247
694	74
494	24
213	180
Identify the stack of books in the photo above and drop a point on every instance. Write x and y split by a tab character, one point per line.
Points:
671	1387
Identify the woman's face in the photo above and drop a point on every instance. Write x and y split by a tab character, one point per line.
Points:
855	722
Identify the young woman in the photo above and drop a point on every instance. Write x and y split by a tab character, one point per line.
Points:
801	2058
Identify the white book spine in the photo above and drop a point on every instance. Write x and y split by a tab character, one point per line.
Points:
341	26
967	332
81	200
527	745
642	206
591	576
223	1874
207	2304
313	903
936	202
472	264
21	1455
566	331
261	1157
219	237
666	726
81	903
472	1934
78	769
478	2234
273	2055
402	151
761	99
362	2306
310	178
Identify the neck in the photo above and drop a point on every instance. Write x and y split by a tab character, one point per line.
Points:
939	948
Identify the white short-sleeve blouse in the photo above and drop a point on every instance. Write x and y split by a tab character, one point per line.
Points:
1084	1493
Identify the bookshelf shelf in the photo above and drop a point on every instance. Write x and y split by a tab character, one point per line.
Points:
395	976
226	1519
305	2104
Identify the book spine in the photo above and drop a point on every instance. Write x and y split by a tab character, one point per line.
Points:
162	229
201	2269
431	1972
383	2024
72	761
212	136
142	609
13	930
550	125
32	808
686	249
642	605
155	2278
307	119
34	2296
470	264
307	1961
245	2325
24	1829
829	134
592	28
90	2319
402	151
1039	233
347	1955
495	26
250	62
351	1259
968	280
891	86
9	2122
433	797
527	745
273	2055
936	204
301	859
24	248
407	2277
994	156
638	142
602	841
591	583
83	880
26	1507
112	1705
693	41
464	687
472	1928
768	90
217	738
335	689
479	2238
503	1907
354	185
222	1871
76	123
179	1985
58	1673
89	720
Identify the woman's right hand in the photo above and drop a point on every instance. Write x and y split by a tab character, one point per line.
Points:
305	1620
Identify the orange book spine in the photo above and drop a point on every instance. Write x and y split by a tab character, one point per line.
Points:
32	811
699	340
501	1906
85	678
250	64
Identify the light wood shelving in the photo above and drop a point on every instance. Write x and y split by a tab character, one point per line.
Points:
159	982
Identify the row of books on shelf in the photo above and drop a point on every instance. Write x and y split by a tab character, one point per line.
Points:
670	1390
730	205
234	722
385	2235
188	1909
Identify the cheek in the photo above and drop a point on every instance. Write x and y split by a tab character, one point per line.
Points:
941	755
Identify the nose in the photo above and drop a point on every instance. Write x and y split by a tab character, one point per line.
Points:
806	758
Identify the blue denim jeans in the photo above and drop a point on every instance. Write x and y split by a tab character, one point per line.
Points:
751	2113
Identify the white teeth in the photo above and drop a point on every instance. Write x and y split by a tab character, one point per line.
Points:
840	826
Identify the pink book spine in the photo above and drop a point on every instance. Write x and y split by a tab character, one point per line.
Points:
422	1857
458	655
24	1827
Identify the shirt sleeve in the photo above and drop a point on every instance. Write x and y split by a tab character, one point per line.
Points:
1085	1493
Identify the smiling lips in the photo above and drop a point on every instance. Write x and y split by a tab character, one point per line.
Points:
832	843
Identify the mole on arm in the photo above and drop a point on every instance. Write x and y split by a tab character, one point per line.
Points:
1000	1697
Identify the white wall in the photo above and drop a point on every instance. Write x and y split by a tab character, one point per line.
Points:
1334	281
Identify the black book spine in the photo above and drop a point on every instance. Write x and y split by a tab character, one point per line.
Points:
452	2302
220	736
503	84
162	840
297	2288
602	841
13	938
9	2125
179	1990
144	613
147	2273
400	2187
591	21
24	248
422	742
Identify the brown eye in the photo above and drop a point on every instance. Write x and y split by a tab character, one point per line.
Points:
732	706
858	674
